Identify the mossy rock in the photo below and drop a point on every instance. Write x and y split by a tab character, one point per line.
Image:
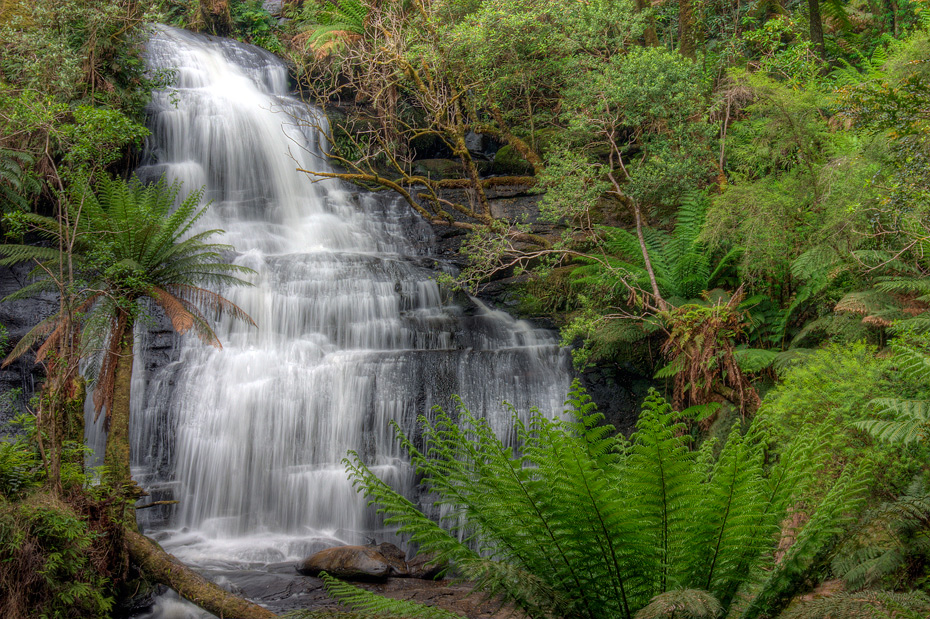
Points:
509	162
437	169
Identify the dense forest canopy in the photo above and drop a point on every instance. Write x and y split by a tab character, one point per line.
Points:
730	198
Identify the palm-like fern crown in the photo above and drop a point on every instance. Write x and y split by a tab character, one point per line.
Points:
575	521
130	242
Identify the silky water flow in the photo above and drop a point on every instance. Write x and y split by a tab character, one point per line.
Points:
353	330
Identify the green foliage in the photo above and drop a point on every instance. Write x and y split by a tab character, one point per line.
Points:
86	51
890	547
833	388
325	21
654	97
903	421
575	521
17	185
256	25
49	564
20	464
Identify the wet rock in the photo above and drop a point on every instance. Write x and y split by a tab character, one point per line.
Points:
425	567
438	168
481	146
390	551
364	563
20	379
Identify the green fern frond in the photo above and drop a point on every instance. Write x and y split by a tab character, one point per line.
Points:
836	511
814	262
373	604
753	360
690	603
836	10
700	412
863	605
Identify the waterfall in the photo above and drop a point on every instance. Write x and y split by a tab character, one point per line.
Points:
353	331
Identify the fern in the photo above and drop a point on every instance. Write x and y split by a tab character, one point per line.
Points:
17	185
753	360
691	603
889	542
575	521
835	512
909	419
328	24
863	605
373	604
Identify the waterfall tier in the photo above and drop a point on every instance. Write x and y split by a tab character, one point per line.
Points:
353	330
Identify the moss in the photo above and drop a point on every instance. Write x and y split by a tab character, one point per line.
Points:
508	161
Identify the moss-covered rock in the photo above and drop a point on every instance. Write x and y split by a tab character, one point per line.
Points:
509	162
438	169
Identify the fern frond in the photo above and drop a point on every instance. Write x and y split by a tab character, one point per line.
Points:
838	508
371	603
692	603
863	605
753	360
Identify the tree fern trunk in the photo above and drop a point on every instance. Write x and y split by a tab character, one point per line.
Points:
817	27
686	36
116	457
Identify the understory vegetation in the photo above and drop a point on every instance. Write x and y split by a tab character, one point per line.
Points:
730	199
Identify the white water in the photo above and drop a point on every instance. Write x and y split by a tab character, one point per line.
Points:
352	331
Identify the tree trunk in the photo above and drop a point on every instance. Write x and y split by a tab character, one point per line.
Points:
164	568
660	301
686	29
649	34
817	28
116	457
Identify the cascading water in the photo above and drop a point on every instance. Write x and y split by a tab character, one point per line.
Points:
353	331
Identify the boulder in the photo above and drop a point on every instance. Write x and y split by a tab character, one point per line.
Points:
481	146
425	567
509	162
364	563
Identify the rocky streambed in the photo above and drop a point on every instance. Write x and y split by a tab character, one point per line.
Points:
282	587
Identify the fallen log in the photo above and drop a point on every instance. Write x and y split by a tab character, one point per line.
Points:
167	570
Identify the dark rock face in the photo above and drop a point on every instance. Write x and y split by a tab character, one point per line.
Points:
481	146
363	563
618	392
19	380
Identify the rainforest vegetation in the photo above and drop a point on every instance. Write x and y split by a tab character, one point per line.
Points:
730	198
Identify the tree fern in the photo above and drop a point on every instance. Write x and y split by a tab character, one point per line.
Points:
328	22
573	521
834	513
888	542
17	185
663	486
729	522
